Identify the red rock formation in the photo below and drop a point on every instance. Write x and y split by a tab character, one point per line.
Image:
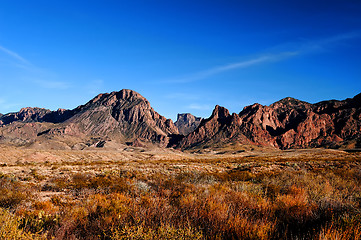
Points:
30	114
288	123
219	127
127	117
124	116
187	123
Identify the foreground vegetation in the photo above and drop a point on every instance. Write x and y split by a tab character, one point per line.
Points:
239	197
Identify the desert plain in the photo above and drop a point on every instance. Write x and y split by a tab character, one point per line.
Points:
235	192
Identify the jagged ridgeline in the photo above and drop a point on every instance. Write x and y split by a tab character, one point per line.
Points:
126	118
187	123
288	123
118	117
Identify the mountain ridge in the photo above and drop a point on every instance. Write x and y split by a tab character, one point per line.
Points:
287	123
187	123
126	117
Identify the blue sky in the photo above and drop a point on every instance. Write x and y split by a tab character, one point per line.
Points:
183	56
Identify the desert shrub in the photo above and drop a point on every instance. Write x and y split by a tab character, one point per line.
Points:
10	228
80	181
334	231
41	217
95	218
235	175
314	200
12	192
162	232
36	175
38	221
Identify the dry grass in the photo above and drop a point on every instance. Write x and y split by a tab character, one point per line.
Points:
145	194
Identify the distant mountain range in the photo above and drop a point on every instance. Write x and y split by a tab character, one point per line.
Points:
126	118
187	123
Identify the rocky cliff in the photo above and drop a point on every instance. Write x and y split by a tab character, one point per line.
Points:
124	116
288	123
187	123
29	114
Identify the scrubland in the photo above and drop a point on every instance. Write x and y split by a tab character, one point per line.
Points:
137	193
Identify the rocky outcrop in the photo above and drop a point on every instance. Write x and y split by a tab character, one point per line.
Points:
220	127
25	115
187	123
30	114
125	116
288	123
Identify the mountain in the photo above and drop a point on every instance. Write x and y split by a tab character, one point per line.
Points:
220	126
127	118
187	123
288	123
29	114
124	117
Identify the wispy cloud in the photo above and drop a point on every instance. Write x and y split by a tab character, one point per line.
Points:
242	64
196	106
14	55
16	60
310	46
33	74
186	96
52	84
335	40
294	49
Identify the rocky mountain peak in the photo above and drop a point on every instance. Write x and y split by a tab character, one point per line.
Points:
127	94
356	100
124	96
287	123
187	123
220	112
32	110
125	115
28	114
185	117
289	102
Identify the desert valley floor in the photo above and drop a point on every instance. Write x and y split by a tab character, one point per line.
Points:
152	193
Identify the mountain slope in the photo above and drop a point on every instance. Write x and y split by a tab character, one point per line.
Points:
187	123
123	116
126	117
288	123
29	114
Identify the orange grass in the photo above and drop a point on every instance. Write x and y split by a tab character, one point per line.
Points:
256	200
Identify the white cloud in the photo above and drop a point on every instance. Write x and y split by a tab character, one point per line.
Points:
238	65
304	47
14	55
196	106
52	84
186	96
20	62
